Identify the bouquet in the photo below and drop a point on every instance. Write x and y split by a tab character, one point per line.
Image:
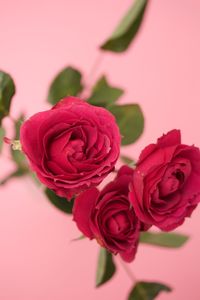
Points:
72	147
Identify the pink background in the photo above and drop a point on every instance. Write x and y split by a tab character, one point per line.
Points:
161	71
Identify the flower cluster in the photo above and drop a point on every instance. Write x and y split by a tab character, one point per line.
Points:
75	145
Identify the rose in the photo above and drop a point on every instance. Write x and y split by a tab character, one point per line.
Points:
72	146
108	216
166	182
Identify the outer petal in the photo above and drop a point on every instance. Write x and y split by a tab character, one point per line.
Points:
82	209
67	102
172	138
125	170
129	256
29	133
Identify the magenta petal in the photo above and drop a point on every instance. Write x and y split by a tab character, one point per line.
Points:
146	152
172	138
82	209
128	256
68	102
125	170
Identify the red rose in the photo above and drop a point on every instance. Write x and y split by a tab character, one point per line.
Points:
109	217
72	146
166	182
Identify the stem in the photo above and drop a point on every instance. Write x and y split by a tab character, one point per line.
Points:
12	119
128	271
138	286
89	79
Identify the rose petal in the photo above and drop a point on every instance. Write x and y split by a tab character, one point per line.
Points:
82	209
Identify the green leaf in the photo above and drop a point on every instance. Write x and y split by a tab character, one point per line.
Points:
17	173
66	83
163	239
104	94
59	202
18	156
81	237
7	91
147	290
127	29
106	267
130	121
2	134
127	160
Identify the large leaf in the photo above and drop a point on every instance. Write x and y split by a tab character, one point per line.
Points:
66	83
104	94
130	121
7	91
59	202
105	268
2	134
163	239
147	290
127	29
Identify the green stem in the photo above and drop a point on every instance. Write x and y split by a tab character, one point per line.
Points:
88	82
140	289
128	271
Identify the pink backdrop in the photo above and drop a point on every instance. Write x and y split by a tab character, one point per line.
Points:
161	72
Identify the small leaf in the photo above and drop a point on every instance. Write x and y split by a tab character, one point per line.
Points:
60	202
103	94
163	239
106	267
147	290
17	173
81	237
66	83
18	156
130	121
7	91
127	160
127	29
2	134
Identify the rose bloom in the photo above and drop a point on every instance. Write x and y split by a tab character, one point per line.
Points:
108	216
166	182
72	146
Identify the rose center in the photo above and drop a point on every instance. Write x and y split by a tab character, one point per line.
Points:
118	223
75	148
174	177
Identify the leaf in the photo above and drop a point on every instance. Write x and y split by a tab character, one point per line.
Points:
106	267
66	83
18	156
127	160
147	290
163	239
130	121
104	94
17	173
81	237
127	29
60	202
2	134
7	91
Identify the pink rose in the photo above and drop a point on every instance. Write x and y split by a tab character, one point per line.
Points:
166	182
108	216
71	147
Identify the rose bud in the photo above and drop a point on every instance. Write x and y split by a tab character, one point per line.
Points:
72	146
166	182
108	216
